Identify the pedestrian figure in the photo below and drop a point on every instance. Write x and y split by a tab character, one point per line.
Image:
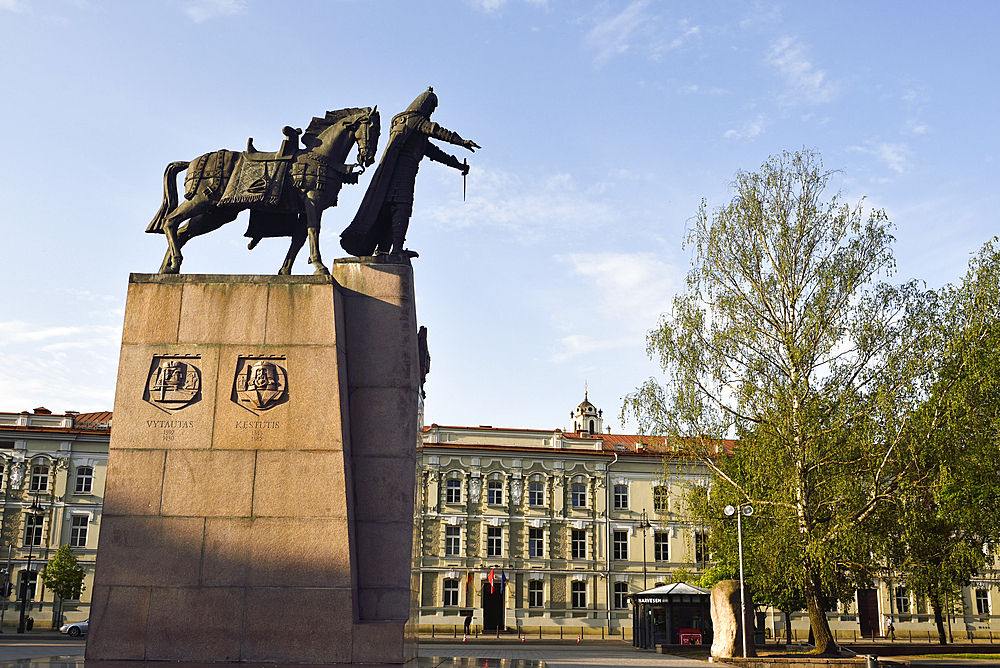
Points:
468	623
890	632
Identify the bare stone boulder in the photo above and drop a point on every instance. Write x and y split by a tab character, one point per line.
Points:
728	632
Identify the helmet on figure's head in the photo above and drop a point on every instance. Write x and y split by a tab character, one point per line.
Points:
425	103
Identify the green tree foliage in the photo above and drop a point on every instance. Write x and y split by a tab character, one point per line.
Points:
947	516
787	335
63	576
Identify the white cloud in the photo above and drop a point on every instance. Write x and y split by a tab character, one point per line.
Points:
614	35
913	127
687	32
805	82
491	6
761	13
895	156
203	10
528	208
630	292
9	5
61	367
749	130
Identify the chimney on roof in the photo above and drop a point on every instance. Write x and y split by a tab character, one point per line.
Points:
42	411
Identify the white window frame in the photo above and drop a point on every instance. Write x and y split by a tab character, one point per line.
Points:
39	478
79	524
621	595
534	500
449	593
536	594
579	595
536	542
494	492
452	541
621	498
494	541
453	490
619	546
578	495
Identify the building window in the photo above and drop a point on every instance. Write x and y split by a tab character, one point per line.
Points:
453	491
535	591
40	479
579	594
700	546
579	496
982	602
450	592
621	595
33	529
661	546
452	541
621	497
31	577
78	532
494	493
494	541
535	541
902	600
536	494
661	499
578	544
620	546
84	479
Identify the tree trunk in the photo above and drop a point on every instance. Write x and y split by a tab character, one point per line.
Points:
938	617
817	614
788	627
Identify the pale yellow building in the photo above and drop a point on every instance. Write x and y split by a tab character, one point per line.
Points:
560	513
59	463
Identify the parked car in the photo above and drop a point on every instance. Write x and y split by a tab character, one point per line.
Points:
75	629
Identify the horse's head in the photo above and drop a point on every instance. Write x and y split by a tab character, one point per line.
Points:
366	132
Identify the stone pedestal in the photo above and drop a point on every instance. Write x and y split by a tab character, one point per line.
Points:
259	503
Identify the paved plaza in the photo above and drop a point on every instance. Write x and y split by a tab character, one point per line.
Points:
584	655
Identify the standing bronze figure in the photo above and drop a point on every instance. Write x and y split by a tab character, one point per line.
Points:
286	191
384	215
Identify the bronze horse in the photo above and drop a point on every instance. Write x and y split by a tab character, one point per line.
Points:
286	191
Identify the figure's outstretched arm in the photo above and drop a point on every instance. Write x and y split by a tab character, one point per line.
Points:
437	132
437	155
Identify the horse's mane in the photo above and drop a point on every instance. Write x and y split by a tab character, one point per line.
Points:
318	125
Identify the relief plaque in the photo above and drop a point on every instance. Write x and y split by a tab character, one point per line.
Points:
174	382
261	383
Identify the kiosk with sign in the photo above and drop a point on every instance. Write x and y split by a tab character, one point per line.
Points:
674	614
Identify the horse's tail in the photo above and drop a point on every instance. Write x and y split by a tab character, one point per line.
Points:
169	196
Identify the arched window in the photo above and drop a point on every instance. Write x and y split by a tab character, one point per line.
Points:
591	426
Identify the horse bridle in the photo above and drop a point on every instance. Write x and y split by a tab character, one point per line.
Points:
362	137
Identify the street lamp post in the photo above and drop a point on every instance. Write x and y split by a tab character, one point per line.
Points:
743	509
33	510
644	524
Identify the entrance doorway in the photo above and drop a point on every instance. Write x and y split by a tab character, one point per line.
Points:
493	610
868	612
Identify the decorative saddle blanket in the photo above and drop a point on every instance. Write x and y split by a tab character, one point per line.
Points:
256	181
208	172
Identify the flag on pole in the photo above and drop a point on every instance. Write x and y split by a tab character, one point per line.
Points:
468	585
489	578
503	581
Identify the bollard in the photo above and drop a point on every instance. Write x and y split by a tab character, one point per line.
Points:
579	637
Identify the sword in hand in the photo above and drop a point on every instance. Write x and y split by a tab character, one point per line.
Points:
465	175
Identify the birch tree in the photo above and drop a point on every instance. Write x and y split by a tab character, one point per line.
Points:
788	331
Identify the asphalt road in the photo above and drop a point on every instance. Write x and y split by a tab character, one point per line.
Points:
38	644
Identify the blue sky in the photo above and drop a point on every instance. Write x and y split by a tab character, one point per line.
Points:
603	126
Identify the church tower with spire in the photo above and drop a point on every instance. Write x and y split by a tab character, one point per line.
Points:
587	418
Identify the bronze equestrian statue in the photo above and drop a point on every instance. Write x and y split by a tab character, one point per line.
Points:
384	215
286	191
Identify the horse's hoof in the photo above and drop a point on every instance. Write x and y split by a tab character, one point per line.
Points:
321	271
284	272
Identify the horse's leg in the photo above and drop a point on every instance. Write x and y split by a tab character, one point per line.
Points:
312	231
293	251
198	222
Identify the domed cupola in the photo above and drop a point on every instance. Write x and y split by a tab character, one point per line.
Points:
587	417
